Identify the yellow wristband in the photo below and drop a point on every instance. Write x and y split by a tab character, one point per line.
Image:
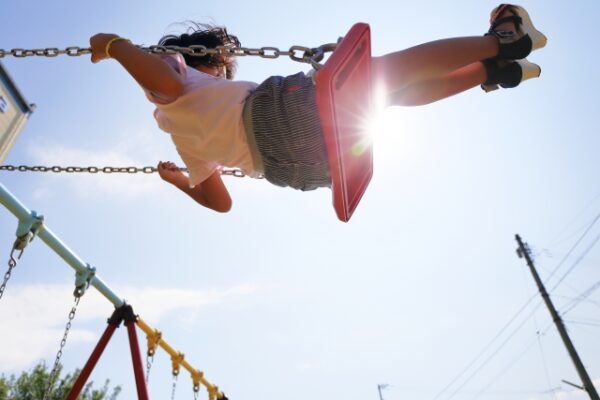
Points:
110	42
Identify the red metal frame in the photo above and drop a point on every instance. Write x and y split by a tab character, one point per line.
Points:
91	363
136	358
343	95
123	313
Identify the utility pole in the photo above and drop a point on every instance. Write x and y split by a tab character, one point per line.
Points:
524	252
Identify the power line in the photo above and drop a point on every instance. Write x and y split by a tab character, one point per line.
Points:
539	340
485	348
583	323
520	355
500	347
555	241
581	257
507	325
571	299
573	247
580	298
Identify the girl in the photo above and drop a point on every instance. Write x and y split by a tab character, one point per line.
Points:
273	128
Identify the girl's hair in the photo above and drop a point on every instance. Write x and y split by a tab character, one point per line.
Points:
209	36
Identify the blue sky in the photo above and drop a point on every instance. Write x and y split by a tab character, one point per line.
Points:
278	298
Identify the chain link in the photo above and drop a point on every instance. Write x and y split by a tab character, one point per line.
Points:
238	173
47	52
12	263
149	361
296	53
174	387
63	342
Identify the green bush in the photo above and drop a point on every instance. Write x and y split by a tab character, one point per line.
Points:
31	385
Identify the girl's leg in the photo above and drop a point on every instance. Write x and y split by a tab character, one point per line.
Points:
433	60
429	91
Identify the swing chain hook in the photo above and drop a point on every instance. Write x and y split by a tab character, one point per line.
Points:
317	54
153	339
176	361
83	279
26	231
197	376
63	342
12	263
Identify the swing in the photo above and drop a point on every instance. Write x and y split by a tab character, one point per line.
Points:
343	97
344	103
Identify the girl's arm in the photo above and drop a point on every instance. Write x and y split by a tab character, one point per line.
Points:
211	193
152	73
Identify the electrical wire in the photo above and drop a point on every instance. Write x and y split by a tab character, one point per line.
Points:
541	347
584	323
485	348
491	356
571	299
555	241
506	326
581	257
543	356
579	299
591	225
520	355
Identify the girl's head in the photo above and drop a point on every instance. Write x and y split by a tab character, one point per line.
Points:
211	37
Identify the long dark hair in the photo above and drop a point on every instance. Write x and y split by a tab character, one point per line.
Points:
209	36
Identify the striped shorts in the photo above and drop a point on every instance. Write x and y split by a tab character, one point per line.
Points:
283	125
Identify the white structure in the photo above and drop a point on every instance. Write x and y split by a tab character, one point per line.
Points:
14	112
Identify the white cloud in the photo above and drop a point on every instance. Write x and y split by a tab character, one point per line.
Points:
34	316
154	303
138	150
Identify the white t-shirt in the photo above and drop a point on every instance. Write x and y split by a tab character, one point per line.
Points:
206	122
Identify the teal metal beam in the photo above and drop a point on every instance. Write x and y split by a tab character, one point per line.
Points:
17	208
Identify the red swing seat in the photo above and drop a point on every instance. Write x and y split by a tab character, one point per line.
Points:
343	94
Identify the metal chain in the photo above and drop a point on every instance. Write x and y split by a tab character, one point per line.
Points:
195	395
54	373
149	361
72	51
238	173
296	53
174	387
12	263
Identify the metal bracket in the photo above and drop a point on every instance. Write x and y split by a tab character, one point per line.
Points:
154	339
83	279
27	229
197	376
177	360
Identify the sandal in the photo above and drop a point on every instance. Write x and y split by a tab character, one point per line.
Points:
515	45
508	74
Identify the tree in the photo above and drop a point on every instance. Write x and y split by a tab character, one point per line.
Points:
31	385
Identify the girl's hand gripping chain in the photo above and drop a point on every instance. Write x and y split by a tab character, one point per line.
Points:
101	43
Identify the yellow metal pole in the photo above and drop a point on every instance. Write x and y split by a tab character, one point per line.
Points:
196	375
